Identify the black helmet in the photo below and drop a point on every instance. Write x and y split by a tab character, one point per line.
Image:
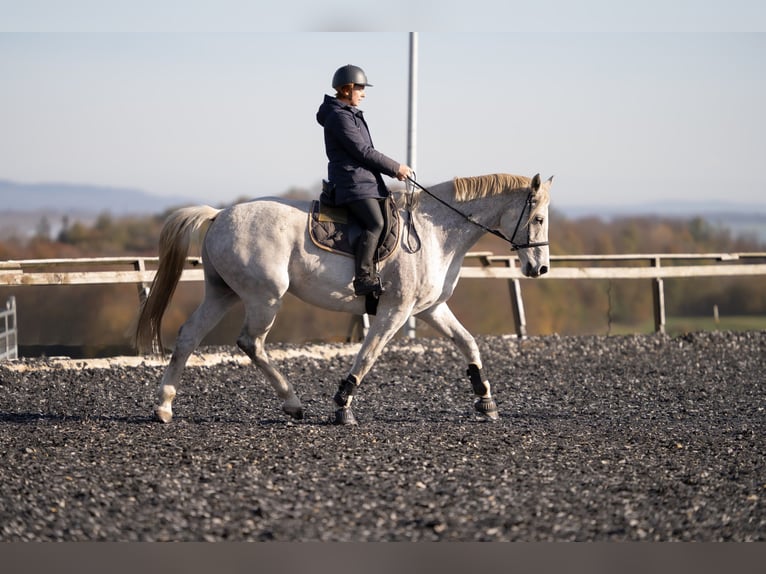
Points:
349	74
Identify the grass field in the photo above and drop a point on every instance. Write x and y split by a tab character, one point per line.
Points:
679	325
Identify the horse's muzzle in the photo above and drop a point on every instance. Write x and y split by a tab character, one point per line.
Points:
531	271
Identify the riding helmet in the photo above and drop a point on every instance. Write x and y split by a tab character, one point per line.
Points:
349	74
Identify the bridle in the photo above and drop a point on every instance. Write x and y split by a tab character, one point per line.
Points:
514	246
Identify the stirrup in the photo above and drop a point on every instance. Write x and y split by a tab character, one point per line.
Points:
368	286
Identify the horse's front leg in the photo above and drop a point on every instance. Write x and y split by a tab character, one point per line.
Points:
380	333
441	318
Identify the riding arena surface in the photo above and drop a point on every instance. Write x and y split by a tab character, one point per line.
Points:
619	438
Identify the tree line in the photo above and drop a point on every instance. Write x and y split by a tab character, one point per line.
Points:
99	318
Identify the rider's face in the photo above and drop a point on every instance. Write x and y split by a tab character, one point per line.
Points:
357	94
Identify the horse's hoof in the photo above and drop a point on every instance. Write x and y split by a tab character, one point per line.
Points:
294	412
486	409
344	416
163	415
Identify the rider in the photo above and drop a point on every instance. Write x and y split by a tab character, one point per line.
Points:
354	169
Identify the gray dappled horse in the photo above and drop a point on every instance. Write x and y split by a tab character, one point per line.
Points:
260	250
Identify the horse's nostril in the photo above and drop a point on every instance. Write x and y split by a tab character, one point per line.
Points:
532	271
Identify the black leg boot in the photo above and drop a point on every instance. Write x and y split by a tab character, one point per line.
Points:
343	414
366	281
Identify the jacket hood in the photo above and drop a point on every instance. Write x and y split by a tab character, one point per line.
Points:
329	104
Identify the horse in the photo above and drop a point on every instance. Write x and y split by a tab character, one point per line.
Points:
259	250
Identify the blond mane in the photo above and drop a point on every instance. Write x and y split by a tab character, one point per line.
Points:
468	188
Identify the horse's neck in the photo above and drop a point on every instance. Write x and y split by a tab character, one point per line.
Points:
458	234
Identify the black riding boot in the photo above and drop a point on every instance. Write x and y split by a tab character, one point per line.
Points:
366	280
369	214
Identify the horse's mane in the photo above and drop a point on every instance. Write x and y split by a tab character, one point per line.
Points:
468	188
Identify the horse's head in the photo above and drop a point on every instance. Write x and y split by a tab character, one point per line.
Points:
527	227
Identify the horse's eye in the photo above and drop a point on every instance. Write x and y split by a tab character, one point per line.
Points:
539	219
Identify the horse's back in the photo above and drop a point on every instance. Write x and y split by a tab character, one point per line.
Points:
256	231
263	217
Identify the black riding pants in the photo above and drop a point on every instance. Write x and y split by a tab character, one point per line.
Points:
369	213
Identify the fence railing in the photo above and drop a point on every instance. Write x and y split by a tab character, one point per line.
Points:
89	271
620	266
9	337
479	265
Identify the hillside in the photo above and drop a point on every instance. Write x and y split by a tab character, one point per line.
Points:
25	207
81	198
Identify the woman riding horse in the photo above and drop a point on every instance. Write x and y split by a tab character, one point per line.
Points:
354	170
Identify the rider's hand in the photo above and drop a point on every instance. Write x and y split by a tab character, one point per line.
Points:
404	172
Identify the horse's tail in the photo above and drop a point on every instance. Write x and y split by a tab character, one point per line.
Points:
175	240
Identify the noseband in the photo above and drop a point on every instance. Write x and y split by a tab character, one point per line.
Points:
514	246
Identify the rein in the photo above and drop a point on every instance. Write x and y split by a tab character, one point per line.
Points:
514	246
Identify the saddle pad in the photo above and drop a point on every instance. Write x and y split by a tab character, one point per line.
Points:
330	228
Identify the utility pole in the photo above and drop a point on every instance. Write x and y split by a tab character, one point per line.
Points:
412	132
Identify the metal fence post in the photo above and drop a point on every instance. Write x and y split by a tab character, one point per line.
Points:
9	336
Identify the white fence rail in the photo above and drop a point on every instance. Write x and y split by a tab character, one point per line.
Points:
480	265
9	333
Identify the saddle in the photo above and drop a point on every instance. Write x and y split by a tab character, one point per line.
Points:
333	229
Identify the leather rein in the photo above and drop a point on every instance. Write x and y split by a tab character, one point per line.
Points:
514	246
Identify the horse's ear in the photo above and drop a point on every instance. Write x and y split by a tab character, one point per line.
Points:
536	182
550	180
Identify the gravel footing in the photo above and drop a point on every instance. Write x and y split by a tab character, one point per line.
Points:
599	439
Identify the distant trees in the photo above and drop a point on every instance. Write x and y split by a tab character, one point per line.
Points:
111	237
596	306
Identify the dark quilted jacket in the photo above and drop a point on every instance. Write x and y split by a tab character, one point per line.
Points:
355	166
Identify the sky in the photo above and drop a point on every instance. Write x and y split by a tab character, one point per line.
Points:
214	109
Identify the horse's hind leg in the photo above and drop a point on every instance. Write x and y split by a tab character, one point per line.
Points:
217	301
258	321
442	319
